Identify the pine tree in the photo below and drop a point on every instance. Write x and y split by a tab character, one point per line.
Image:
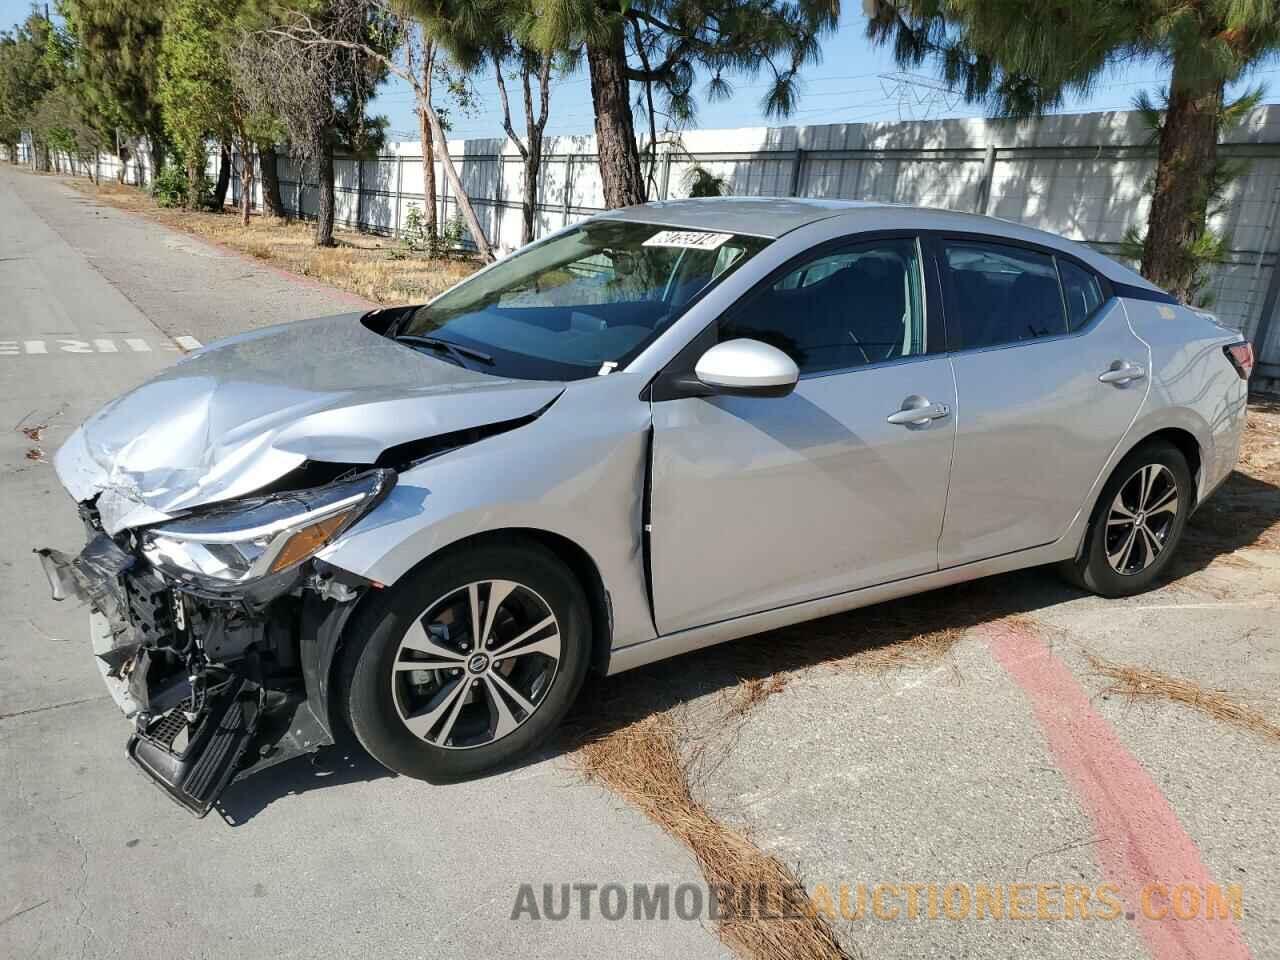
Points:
665	43
1023	59
119	47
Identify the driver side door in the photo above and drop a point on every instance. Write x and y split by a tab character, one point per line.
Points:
760	502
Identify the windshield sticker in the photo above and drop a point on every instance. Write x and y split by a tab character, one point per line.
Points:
691	239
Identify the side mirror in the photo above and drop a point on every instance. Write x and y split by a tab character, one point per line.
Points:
747	368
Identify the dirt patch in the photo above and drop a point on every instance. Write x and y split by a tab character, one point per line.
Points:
642	763
361	264
1243	513
1140	683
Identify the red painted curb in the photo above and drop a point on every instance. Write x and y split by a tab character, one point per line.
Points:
1141	842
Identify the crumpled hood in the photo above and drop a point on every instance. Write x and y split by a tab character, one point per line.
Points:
243	412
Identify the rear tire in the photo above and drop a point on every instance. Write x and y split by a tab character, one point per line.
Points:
473	706
1137	523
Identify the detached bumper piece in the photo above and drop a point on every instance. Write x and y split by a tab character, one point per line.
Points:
216	686
194	761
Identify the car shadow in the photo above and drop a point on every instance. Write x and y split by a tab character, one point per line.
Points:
881	633
338	765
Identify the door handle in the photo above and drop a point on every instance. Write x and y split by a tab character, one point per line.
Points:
917	415
1122	372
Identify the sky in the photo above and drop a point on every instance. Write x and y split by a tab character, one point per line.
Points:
849	85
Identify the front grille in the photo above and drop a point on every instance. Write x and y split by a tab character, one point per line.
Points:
165	730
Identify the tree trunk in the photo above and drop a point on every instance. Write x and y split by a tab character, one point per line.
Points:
224	177
193	184
246	184
455	182
1184	171
324	212
271	199
529	205
615	128
156	147
428	153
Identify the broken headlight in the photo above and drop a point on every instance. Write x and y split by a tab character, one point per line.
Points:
246	541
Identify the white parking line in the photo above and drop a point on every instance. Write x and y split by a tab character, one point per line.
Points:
28	348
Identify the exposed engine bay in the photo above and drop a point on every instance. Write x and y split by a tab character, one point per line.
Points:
219	683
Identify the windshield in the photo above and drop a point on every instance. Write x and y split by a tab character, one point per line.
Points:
588	299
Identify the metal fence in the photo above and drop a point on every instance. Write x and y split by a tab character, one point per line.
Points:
1082	176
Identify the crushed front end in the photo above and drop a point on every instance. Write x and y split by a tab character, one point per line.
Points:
214	632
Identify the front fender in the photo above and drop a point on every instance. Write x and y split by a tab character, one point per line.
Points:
576	472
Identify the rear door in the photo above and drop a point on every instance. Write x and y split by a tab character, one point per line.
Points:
761	502
1031	332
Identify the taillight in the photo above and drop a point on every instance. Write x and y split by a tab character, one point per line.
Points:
1241	357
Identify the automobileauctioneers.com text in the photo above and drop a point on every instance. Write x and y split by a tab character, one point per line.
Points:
884	902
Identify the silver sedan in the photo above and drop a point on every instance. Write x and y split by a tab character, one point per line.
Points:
665	427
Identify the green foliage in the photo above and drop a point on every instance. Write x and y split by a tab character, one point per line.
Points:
1209	247
171	188
25	77
701	182
1022	59
416	239
118	45
41	90
195	84
672	43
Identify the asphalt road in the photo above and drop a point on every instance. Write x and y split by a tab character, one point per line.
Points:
331	859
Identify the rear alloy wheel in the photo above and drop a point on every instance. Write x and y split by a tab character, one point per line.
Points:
1140	519
477	675
1137	524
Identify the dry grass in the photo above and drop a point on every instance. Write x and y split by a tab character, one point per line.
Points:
1138	682
641	762
1260	451
652	762
1244	513
752	692
360	263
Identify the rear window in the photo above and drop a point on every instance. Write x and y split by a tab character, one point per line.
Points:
999	294
1081	290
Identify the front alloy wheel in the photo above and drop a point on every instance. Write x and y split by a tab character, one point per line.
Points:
476	664
476	676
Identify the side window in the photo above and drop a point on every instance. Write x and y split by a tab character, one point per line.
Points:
1000	294
1081	290
856	305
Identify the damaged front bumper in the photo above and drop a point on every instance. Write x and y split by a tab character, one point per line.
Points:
217	687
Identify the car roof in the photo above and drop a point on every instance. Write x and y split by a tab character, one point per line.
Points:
772	217
752	216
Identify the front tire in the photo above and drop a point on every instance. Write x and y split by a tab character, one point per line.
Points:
1137	523
467	663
